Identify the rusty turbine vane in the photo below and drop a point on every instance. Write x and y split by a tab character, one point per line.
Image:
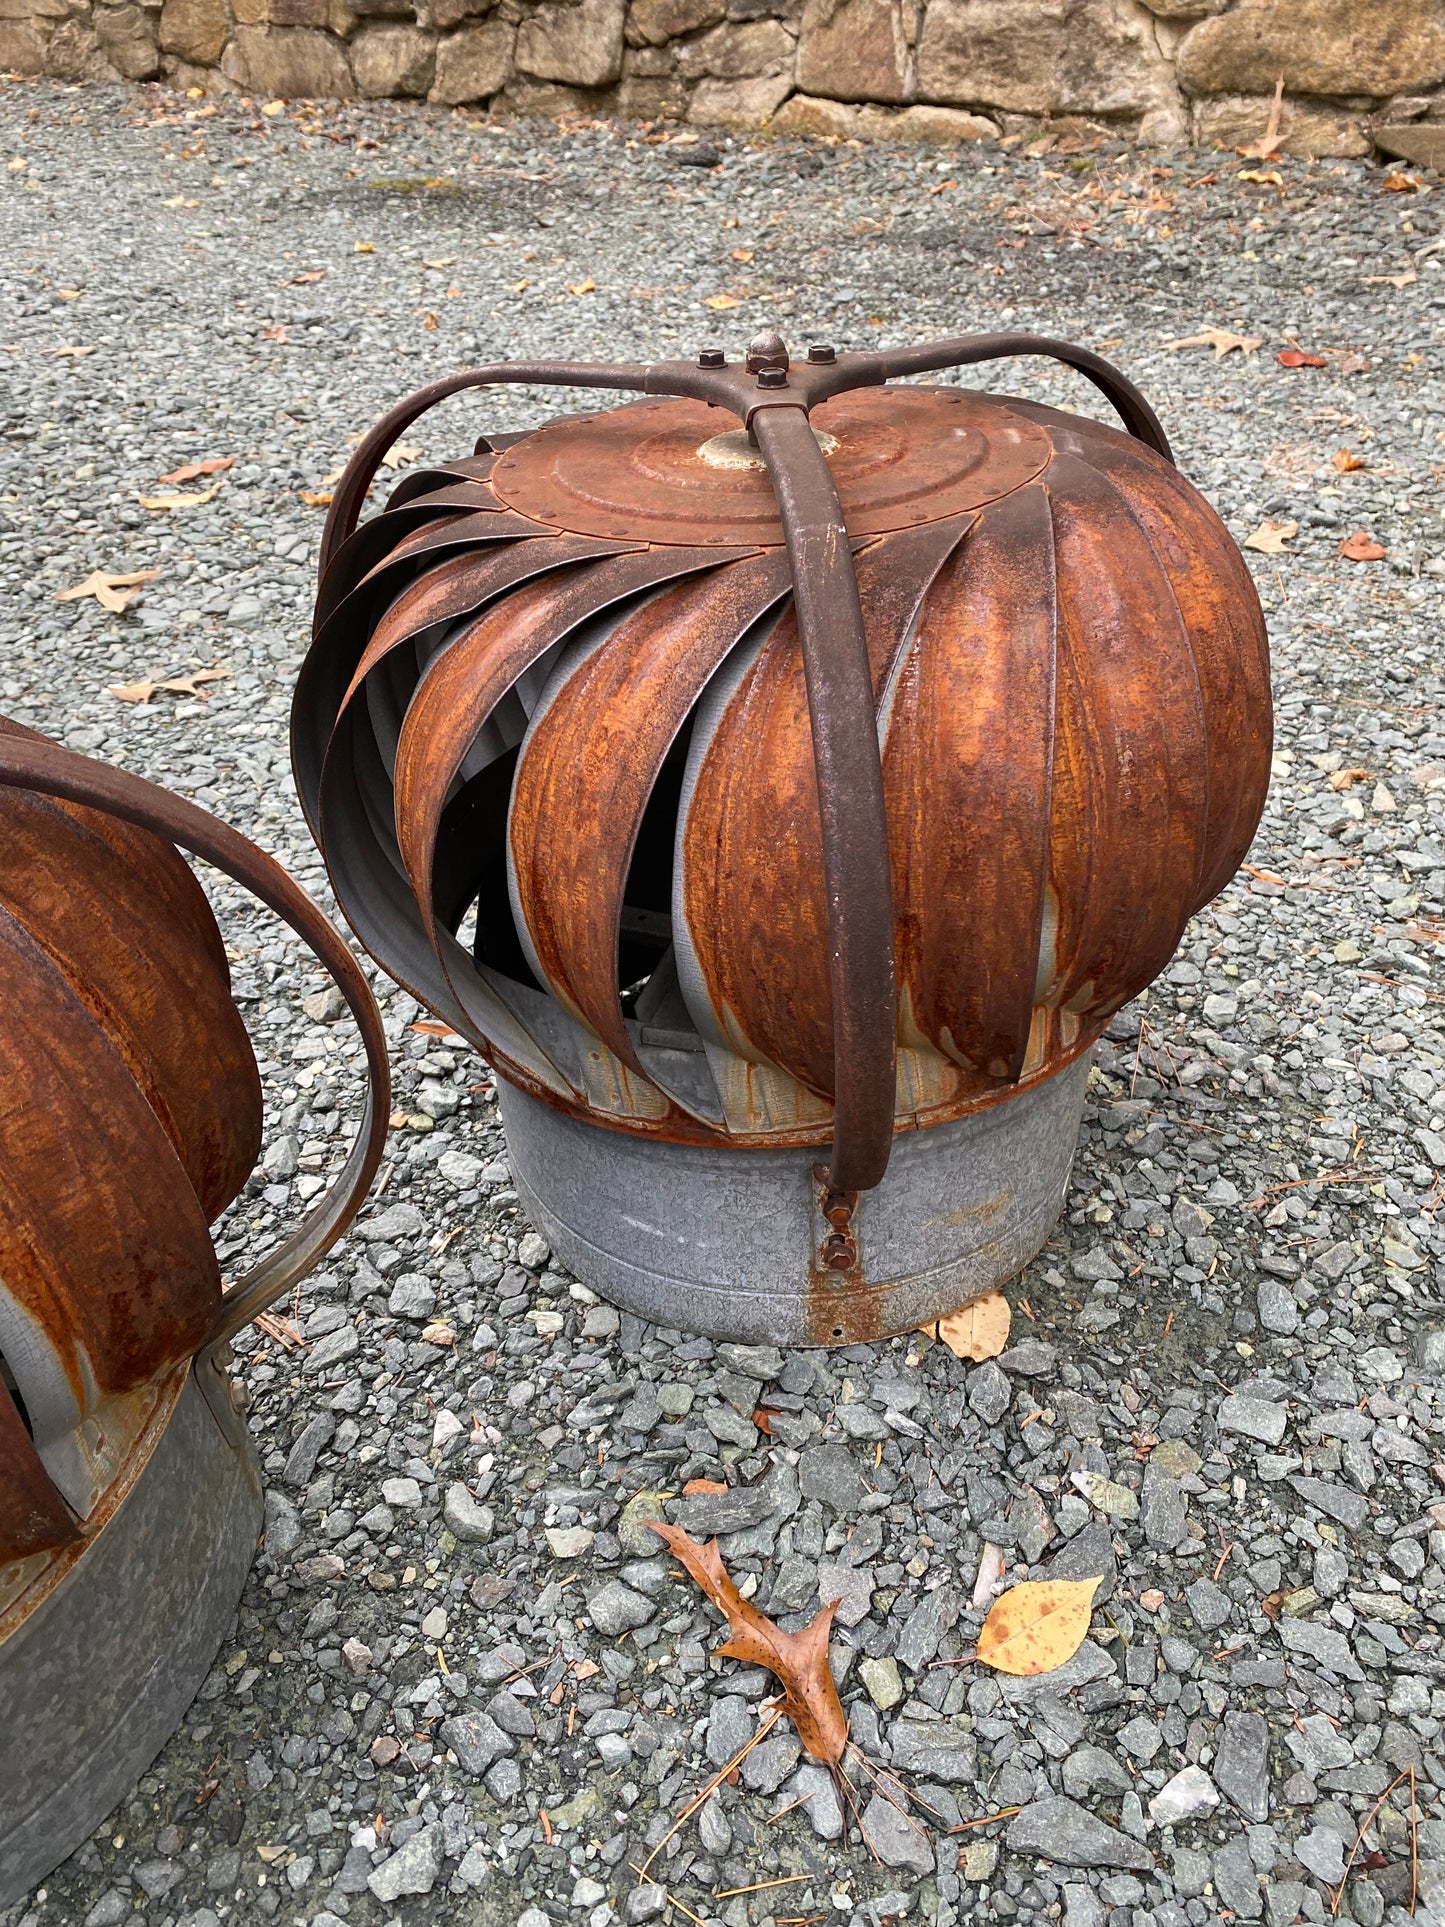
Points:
130	1117
791	777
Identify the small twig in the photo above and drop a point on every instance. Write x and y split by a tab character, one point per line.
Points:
713	1784
885	1780
1338	1894
783	1880
886	1787
793	1808
1339	1175
1224	1556
985	1819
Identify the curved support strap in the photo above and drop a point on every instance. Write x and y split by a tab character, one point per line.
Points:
38	764
1135	413
844	726
360	471
726	387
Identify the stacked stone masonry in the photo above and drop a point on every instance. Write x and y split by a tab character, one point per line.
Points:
1163	71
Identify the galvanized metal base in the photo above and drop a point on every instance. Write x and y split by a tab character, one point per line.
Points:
95	1676
726	1242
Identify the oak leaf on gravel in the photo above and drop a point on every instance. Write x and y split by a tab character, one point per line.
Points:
1221	340
1270	537
798	1660
1034	1627
142	691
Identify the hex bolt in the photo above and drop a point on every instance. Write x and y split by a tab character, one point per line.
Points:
821	351
772	377
711	358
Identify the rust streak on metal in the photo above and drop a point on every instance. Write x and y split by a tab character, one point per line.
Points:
33	1516
607	733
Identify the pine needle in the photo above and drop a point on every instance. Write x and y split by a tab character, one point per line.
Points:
713	1784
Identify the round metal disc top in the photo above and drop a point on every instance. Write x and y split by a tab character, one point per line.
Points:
904	456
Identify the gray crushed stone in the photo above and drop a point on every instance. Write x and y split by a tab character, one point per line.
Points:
457	1620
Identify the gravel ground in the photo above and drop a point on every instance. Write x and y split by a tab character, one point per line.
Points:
463	1685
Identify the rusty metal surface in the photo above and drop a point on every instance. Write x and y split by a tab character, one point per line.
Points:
129	1114
702	1237
608	729
903	456
142	952
33	1516
1062	754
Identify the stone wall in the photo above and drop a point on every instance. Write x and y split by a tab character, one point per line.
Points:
1166	71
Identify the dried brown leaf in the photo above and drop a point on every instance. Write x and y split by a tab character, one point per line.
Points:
977	1330
1221	340
217	465
1270	537
101	584
1264	149
798	1660
142	691
158	503
1362	547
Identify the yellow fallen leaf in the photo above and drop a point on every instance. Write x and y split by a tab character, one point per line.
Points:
1345	461
69	294
159	502
18	165
977	1330
1405	280
103	586
429	320
1341	779
520	287
447	261
179	200
722	301
316	498
742	254
1270	537
1034	1627
589	286
1221	340
363	247
75	354
273	108
1270	179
